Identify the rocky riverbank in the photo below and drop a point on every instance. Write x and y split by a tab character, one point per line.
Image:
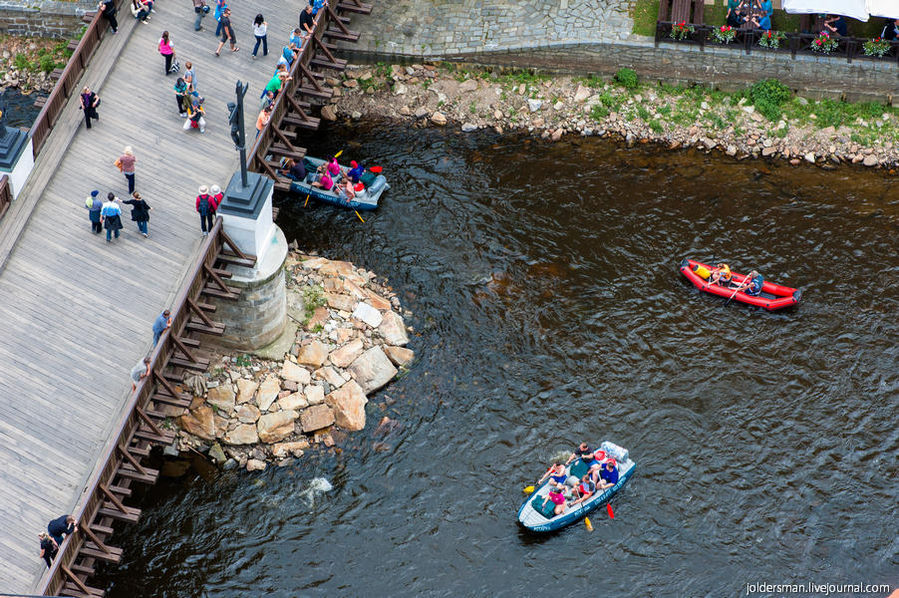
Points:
767	121
349	342
26	62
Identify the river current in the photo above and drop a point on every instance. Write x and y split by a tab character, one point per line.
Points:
548	308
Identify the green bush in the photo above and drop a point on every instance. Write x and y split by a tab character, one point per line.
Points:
627	78
769	96
21	62
47	64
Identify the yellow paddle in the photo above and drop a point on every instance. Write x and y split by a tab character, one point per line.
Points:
360	217
337	155
588	524
528	489
307	201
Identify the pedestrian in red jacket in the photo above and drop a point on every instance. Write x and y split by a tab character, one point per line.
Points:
206	207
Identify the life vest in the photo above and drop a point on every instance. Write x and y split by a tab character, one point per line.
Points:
724	270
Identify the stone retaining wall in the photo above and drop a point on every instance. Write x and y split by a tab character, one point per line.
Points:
812	76
44	18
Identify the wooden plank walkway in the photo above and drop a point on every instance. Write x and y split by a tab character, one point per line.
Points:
76	311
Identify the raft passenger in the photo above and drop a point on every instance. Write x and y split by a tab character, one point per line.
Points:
752	284
721	275
556	474
585	490
608	475
584	452
558	499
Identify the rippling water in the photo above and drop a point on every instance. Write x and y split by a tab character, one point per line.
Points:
548	308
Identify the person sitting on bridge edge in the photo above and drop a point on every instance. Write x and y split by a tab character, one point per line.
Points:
49	548
162	323
64	525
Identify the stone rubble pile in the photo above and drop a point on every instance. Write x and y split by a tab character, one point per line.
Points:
351	343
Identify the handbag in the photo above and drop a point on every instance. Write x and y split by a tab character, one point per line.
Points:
118	164
176	67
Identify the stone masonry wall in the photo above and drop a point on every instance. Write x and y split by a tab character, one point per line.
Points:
728	69
43	18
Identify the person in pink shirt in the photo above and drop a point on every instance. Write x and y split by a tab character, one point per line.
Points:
324	181
167	49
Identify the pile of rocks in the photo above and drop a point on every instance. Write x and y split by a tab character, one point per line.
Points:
350	342
425	95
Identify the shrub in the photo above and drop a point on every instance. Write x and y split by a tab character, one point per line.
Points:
627	78
21	62
768	96
47	64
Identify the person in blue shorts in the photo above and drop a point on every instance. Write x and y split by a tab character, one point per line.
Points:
557	476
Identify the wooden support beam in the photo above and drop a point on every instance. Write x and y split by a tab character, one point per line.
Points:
324	63
84	570
147	434
197	326
131	515
335	18
130	474
214	292
130	458
170	400
112	498
234	248
315	93
326	51
77	581
312	79
89	550
227	258
218	280
97	541
183	348
199	312
281	150
356	7
72	590
191	365
166	384
143	415
340	35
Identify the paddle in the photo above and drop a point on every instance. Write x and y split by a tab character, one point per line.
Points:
610	511
738	289
588	524
305	203
529	489
360	217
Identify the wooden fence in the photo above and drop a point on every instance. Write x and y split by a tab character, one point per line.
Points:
5	194
142	425
292	105
848	48
68	80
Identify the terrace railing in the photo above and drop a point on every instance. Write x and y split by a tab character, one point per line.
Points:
747	41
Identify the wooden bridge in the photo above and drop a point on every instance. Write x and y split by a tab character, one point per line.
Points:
78	311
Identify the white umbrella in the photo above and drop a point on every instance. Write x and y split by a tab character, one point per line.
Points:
884	8
857	9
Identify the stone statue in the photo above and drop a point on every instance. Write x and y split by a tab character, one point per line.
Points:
238	134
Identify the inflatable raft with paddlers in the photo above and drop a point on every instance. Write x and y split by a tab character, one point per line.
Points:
772	297
536	514
373	185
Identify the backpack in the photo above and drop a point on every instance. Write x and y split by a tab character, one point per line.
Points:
204	205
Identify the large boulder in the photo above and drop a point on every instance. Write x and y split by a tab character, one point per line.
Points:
274	427
368	314
313	354
393	329
400	356
222	398
295	373
268	392
348	353
245	390
341	302
242	434
372	369
199	422
316	417
348	403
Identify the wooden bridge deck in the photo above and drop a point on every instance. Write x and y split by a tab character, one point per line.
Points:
77	312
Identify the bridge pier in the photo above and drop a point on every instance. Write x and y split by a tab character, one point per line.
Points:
258	315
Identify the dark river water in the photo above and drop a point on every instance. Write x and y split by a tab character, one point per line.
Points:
548	308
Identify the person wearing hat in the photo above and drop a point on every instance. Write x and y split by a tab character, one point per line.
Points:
293	169
355	172
206	207
93	206
555	495
608	475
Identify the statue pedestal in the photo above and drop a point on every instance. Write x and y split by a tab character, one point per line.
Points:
16	158
259	315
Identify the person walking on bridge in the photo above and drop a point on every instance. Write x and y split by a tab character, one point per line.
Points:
125	162
111	216
89	103
227	33
93	206
49	548
167	49
140	213
206	207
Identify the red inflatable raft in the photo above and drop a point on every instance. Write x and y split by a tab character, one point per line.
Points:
773	296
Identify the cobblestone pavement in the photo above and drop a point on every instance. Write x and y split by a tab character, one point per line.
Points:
435	27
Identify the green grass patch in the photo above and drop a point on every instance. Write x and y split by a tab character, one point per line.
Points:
313	298
645	13
592	81
643	113
656	127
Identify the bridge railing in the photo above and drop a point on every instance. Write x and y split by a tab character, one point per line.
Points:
134	416
5	194
68	81
256	156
